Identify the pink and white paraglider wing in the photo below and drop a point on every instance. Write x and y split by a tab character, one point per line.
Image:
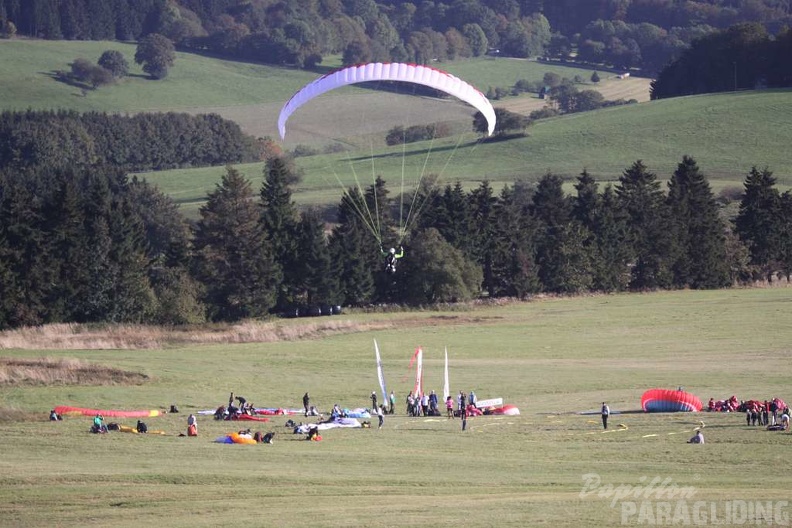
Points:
412	73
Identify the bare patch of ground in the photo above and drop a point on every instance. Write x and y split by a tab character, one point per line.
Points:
62	371
85	337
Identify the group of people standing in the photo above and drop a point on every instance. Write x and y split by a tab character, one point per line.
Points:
766	414
422	404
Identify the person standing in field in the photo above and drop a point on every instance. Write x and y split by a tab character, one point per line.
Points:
392	403
306	402
373	400
605	413
380	417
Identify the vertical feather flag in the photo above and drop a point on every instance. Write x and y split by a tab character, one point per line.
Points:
446	387
418	358
380	376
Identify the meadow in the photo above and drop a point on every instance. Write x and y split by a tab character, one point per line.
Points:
727	134
552	357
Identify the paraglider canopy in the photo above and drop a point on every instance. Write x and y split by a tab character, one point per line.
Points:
378	71
664	400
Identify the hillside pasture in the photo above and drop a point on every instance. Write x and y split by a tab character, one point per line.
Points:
553	358
726	133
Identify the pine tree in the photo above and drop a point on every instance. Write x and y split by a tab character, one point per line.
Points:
785	238
613	254
514	267
560	250
698	230
233	260
318	281
650	240
449	213
355	251
70	248
482	206
279	220
585	206
29	263
757	222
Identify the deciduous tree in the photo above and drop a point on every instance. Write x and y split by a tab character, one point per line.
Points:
157	55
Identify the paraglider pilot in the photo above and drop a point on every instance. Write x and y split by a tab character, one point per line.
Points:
390	258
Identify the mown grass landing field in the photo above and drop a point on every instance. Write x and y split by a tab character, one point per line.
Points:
553	358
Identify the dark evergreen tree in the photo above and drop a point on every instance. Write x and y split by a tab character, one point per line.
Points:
482	239
27	264
8	288
449	213
355	252
168	252
515	272
70	248
785	235
279	219
757	222
560	250
611	261
603	233
698	230
586	205
315	269
131	297
649	234
233	260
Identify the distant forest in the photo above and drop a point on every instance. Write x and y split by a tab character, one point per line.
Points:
143	142
643	34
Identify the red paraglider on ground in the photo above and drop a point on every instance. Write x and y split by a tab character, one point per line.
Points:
665	400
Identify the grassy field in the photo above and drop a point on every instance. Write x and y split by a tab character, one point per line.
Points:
553	358
27	66
250	94
726	133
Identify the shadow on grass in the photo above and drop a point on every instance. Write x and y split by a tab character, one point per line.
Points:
63	77
420	152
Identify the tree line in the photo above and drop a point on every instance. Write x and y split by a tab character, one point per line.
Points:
141	142
90	244
642	34
742	57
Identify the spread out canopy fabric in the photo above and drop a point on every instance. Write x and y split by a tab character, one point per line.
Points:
665	400
378	71
66	410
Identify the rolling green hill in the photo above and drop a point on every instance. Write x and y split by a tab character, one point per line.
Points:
726	133
26	68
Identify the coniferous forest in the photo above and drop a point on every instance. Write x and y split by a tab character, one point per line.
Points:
91	244
82	241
